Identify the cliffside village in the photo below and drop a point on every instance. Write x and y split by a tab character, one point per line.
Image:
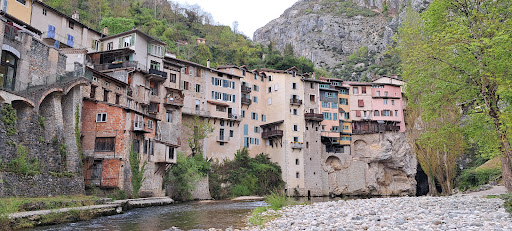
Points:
125	90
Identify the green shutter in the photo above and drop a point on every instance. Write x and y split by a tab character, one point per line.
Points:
132	41
149	48
92	45
101	47
120	43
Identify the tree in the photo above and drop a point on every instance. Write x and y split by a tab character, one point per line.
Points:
117	25
197	130
137	172
460	51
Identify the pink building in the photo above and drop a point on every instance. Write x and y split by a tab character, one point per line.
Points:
387	105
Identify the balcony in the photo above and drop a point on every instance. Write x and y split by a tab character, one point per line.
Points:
246	101
194	112
223	139
157	72
246	89
296	145
119	65
60	41
120	75
313	116
272	134
174	101
234	116
297	102
138	126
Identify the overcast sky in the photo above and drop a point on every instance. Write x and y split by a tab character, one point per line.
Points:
250	14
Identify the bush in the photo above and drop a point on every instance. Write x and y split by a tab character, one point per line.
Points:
472	178
240	190
22	165
185	175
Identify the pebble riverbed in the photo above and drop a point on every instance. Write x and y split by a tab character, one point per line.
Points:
460	212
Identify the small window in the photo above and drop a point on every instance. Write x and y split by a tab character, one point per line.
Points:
21	1
396	113
168	116
297	175
392	102
101	117
118	98
93	92
363	90
45	12
185	85
356	90
312	98
198	88
150	124
295	128
105	95
231	133
376	113
296	161
71	24
127	41
110	46
385	101
294	85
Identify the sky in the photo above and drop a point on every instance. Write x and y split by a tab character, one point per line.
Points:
250	14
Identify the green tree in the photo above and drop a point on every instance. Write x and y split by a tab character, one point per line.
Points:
137	172
117	25
197	130
459	53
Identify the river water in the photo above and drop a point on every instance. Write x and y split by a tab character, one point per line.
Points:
220	214
186	216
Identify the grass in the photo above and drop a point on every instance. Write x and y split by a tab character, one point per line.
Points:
276	201
21	204
508	202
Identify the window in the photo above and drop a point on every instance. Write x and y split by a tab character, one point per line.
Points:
154	65
269	90
231	133
96	45
385	101
297	175
71	24
93	92
110	46
311	85
221	108
255	76
198	88
295	111
255	88
295	128
396	113
327	116
334	116
254	116
378	93
296	161
185	85
358	113
326	104
269	101
263	118
376	113
101	117
365	114
171	152
343	101
257	129
104	144
270	78
45	11
222	123
386	113
363	90
255	99
276	87
105	95
360	103
172	78
168	116
356	90
8	70
294	85
312	98
330	95
127	41
385	93
243	114
392	102
150	124
334	105
118	98
22	1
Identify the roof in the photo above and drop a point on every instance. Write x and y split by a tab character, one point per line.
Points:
358	84
21	23
131	32
103	75
273	123
120	50
64	15
199	65
312	80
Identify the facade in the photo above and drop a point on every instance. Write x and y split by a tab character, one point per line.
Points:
20	9
61	31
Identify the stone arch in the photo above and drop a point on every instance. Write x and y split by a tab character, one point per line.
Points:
360	145
50	108
45	95
334	162
11	49
73	85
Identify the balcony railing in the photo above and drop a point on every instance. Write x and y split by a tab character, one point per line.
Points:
222	138
118	65
246	89
246	101
157	72
174	101
63	41
295	101
273	133
234	116
314	116
296	145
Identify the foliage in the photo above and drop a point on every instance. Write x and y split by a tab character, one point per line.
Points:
23	204
197	130
507	198
276	201
472	178
137	172
22	164
78	136
41	122
117	25
449	55
346	8
245	176
362	63
185	174
118	194
9	118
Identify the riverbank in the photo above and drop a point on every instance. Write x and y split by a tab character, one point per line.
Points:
43	217
459	212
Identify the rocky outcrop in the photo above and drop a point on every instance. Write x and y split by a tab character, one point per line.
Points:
327	32
379	164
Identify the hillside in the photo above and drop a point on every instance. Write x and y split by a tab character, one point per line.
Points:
346	37
179	27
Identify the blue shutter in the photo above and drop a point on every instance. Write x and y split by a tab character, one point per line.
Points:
56	44
245	142
234	98
246	129
70	40
4	7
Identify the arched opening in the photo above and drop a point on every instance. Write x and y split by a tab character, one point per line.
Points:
334	162
8	66
421	182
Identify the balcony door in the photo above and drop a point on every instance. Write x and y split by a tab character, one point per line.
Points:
221	134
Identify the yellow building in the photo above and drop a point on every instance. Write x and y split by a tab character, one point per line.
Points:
20	9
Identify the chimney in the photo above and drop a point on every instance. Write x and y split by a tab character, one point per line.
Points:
75	15
105	31
208	63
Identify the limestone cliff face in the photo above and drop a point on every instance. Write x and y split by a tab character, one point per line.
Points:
327	33
379	164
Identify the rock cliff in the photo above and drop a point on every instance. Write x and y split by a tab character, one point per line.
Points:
328	31
380	164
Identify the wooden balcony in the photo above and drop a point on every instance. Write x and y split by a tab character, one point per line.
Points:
297	102
246	101
314	116
174	101
246	89
223	139
272	134
158	72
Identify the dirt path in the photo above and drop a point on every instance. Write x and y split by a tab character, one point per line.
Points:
496	190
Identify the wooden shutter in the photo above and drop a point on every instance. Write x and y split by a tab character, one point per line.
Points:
360	103
358	113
